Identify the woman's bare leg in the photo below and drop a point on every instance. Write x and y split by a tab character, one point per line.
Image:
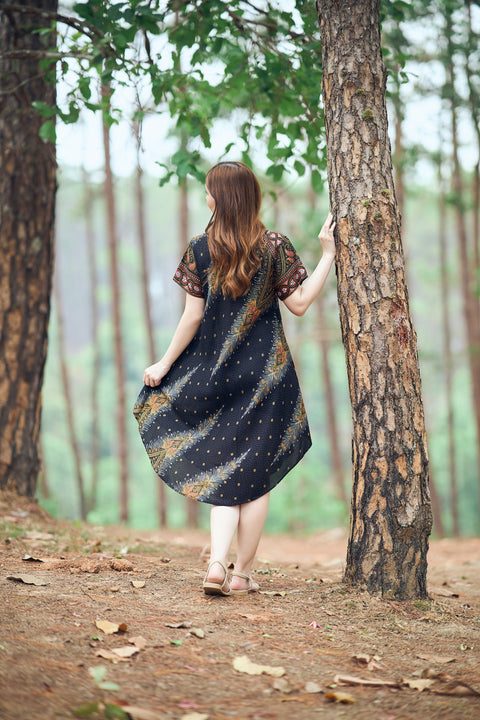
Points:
250	527
224	521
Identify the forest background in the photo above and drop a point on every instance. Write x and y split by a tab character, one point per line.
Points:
434	109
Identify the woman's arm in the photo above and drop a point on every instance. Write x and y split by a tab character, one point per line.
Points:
184	334
303	296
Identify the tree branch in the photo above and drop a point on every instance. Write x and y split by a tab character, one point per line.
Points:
43	55
79	25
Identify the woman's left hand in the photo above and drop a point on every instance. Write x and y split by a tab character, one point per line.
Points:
153	375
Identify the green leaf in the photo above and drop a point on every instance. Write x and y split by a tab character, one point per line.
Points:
47	131
176	642
84	87
86	710
108	686
43	108
115	712
317	182
97	673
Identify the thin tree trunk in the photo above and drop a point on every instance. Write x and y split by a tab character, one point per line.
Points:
117	325
27	211
474	106
68	401
332	424
96	365
191	505
43	477
470	301
391	512
399	161
447	353
438	526
147	304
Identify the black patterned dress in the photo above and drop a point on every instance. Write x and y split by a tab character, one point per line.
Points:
228	422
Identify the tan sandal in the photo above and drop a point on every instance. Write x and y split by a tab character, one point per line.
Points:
212	588
252	585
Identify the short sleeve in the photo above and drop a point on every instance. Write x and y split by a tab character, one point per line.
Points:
187	274
289	272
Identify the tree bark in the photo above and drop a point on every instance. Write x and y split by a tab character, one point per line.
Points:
147	305
332	424
27	209
117	326
68	402
391	511
447	352
96	365
471	307
191	505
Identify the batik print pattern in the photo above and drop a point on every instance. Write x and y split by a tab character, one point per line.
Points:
246	318
203	485
168	449
149	406
276	366
187	275
295	429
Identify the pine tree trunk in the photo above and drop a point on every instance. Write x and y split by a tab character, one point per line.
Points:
122	448
191	505
96	365
68	402
471	307
391	512
331	419
147	305
447	353
27	207
332	424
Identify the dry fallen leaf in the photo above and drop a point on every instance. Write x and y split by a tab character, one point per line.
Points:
109	628
311	687
271	593
198	632
374	682
443	592
420	685
29	558
245	665
109	655
282	685
441	659
341	697
367	661
138	583
183	624
138	641
126	651
27	579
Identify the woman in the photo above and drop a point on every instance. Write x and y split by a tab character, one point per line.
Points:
221	414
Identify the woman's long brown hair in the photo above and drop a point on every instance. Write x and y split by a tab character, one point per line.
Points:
235	229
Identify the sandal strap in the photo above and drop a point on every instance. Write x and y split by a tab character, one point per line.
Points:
225	570
219	562
241	575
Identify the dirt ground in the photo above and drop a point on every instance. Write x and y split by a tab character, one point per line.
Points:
323	650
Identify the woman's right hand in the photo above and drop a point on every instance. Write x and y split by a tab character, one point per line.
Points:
153	375
326	235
